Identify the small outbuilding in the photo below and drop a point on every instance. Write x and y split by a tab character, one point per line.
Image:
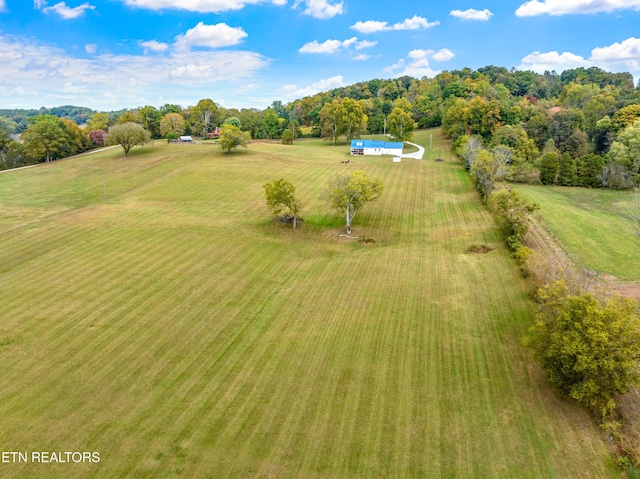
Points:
375	147
186	139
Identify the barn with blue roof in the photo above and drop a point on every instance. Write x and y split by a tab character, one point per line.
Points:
375	147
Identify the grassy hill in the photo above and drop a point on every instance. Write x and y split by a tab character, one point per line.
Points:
593	225
177	330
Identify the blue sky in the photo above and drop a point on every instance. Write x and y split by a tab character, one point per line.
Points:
112	54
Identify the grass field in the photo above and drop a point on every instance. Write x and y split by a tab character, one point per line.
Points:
177	330
593	225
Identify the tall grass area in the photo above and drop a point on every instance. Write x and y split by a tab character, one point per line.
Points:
176	329
593	225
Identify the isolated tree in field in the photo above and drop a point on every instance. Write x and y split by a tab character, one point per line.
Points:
589	348
232	137
45	138
282	201
348	192
172	123
128	135
287	137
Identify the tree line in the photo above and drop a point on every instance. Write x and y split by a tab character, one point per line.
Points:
585	117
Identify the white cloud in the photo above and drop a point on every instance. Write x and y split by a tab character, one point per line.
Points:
564	7
418	69
418	63
443	55
414	23
66	12
419	54
472	14
327	47
154	46
38	4
549	61
391	68
210	36
293	91
90	47
365	44
200	6
2	5
628	50
48	75
620	56
361	57
320	8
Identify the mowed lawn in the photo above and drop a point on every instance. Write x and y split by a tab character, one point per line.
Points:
177	330
594	226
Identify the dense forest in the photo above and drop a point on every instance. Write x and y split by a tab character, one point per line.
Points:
576	128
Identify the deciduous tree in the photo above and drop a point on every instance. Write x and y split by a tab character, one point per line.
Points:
400	124
128	135
281	200
45	138
231	137
331	120
172	123
589	348
348	192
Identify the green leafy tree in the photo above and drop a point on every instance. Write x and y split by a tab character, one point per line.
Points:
487	169
287	137
231	137
233	120
5	141
513	212
349	192
400	124
150	117
589	170
79	140
515	136
270	125
98	121
568	172
281	200
589	348
549	166
626	149
353	118
172	123
204	116
626	116
331	120
128	135
130	116
45	138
